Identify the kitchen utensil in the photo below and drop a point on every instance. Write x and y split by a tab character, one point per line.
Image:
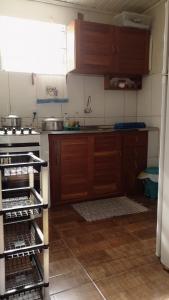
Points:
52	124
11	121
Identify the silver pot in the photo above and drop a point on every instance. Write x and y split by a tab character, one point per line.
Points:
11	121
52	124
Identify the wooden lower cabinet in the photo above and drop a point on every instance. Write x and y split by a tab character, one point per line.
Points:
90	166
107	165
70	172
134	159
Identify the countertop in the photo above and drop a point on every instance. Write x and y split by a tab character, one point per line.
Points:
97	130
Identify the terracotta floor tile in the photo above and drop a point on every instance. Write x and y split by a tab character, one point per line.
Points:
68	281
137	284
119	266
146	233
84	292
63	266
58	255
80	249
117	253
94	258
140	225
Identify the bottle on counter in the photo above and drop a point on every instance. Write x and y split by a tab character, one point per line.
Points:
66	121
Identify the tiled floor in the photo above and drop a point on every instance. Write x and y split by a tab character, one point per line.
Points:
111	259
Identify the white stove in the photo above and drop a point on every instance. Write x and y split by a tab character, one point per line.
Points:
19	140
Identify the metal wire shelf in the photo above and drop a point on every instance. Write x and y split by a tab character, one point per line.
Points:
22	239
21	216
28	295
27	203
22	274
9	161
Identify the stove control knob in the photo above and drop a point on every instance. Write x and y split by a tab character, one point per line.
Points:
13	130
5	130
30	130
22	131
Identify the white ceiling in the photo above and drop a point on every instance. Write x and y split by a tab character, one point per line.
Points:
107	6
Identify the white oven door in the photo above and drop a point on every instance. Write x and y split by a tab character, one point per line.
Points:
19	149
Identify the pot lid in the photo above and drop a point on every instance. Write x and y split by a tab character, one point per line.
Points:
12	117
51	119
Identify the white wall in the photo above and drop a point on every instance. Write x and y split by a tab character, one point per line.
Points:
107	106
150	97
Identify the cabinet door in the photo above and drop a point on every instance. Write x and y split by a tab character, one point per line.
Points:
54	164
95	48
107	173
135	159
74	168
132	50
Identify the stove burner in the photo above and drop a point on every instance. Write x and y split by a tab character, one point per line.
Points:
13	130
16	131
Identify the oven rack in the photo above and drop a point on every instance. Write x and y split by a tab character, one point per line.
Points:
22	216
23	275
9	161
27	199
34	294
22	239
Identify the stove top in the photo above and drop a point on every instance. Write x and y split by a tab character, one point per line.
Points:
17	132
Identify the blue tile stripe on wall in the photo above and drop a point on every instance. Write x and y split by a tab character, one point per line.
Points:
48	101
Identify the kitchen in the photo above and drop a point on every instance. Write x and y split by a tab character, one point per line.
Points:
113	258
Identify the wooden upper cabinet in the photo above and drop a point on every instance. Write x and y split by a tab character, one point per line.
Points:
90	48
94	48
132	50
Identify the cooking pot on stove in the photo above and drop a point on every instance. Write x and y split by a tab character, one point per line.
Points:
52	124
11	121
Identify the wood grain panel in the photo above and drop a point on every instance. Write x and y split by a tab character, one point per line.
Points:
133	50
96	48
89	166
74	168
107	177
134	159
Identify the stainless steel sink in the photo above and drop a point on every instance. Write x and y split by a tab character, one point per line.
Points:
96	128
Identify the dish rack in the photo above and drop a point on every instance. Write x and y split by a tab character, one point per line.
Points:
24	274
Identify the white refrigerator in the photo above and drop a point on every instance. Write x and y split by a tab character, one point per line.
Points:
162	249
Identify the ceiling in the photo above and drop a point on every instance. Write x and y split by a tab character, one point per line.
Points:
107	6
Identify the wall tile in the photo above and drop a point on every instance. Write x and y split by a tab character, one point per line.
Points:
94	87
42	81
4	94
156	121
130	119
156	94
114	103
93	121
22	94
75	87
49	110
146	120
130	103
153	143
153	161
113	120
158	16
144	105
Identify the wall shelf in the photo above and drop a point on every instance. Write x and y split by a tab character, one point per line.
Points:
122	83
